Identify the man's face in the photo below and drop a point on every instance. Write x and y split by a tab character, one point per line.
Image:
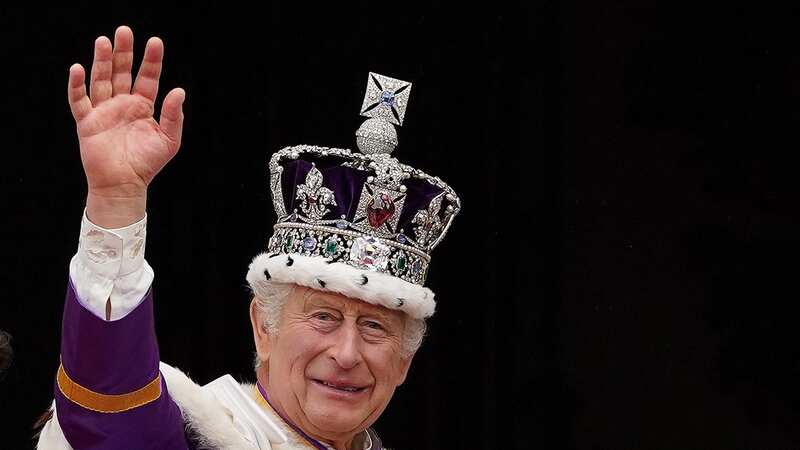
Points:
335	361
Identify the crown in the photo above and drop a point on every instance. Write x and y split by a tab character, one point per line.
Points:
365	210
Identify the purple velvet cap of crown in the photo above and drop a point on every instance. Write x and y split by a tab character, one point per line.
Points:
347	183
366	210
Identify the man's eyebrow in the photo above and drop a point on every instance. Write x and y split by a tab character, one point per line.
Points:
315	298
383	316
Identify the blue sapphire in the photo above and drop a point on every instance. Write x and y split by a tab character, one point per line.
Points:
309	243
416	268
401	238
387	98
341	224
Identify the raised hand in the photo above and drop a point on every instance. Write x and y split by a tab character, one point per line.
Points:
122	146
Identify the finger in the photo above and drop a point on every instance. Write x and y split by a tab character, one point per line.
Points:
146	83
79	102
172	116
122	61
100	84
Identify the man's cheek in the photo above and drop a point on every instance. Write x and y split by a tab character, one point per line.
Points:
300	362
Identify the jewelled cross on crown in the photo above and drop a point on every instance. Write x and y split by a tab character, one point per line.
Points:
385	104
386	98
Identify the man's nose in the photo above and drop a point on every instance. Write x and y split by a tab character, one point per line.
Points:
346	351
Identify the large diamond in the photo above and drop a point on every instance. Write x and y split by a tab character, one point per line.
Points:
369	253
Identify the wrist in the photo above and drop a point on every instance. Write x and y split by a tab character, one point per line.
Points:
110	211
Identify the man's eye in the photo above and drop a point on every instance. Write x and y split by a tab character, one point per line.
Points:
373	325
323	316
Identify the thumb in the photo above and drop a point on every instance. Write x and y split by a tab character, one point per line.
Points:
172	116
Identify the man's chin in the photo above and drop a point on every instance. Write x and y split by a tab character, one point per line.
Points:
336	417
335	420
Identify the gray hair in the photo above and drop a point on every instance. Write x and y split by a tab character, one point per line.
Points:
273	295
6	353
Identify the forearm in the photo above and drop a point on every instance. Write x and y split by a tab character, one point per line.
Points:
109	272
110	357
118	209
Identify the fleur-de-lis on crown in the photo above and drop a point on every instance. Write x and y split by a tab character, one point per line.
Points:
315	198
427	222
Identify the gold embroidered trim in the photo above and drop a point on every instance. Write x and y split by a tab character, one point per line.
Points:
265	404
104	403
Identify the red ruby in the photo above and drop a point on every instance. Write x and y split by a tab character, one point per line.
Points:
377	216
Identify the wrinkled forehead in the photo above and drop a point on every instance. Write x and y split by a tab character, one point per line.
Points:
309	297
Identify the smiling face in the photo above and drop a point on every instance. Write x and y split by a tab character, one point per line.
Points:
334	363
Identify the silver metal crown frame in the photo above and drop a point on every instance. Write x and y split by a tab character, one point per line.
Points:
371	239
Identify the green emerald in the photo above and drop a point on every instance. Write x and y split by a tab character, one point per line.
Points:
289	241
400	263
330	247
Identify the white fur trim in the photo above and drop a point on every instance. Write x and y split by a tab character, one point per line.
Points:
51	437
203	413
381	289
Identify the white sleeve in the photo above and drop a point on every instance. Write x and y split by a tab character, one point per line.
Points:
110	266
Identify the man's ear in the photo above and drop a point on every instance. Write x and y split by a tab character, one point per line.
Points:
261	336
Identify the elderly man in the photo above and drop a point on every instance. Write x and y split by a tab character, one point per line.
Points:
338	309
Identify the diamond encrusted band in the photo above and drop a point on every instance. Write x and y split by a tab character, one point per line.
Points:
352	248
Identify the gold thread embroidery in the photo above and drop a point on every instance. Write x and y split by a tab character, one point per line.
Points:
104	403
296	437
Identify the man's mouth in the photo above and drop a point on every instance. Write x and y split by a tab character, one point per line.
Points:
340	387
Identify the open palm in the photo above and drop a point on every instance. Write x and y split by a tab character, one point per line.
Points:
122	146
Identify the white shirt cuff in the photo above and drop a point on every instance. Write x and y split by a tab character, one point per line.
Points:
110	265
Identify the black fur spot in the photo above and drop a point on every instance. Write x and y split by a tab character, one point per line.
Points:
289	261
400	302
321	283
364	280
267	275
273	255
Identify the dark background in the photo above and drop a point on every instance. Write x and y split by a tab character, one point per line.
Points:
623	274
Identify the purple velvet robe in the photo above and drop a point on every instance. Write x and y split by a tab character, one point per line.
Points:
111	358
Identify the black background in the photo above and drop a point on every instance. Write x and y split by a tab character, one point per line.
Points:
623	273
